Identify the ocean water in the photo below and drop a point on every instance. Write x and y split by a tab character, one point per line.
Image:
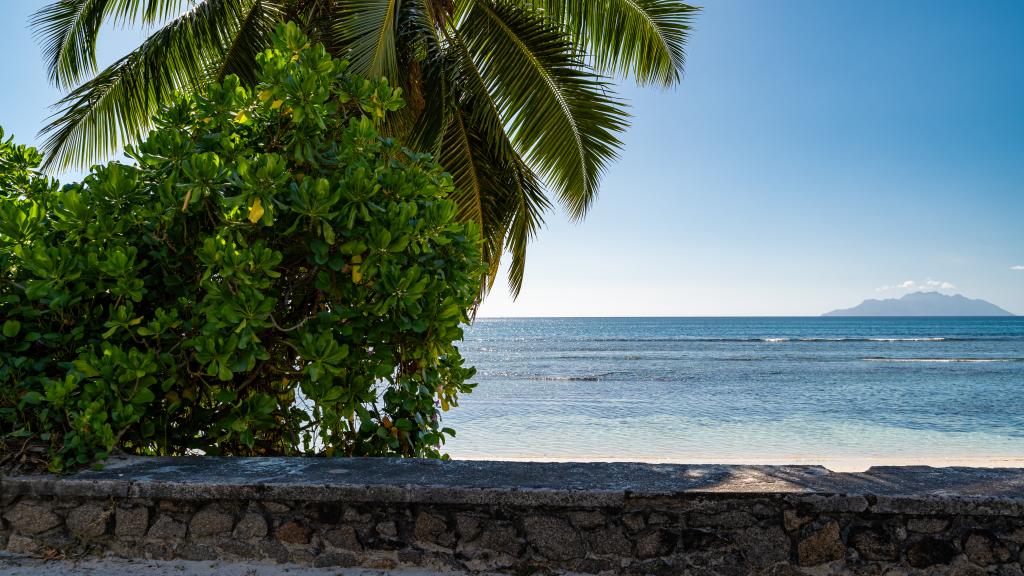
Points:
845	392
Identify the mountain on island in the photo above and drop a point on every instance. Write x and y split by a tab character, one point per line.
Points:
923	304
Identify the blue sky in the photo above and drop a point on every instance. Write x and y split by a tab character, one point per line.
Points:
816	154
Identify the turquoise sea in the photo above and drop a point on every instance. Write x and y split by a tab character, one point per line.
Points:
845	392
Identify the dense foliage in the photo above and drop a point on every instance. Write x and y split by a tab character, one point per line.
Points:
511	96
270	277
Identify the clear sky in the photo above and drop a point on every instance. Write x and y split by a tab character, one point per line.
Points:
817	153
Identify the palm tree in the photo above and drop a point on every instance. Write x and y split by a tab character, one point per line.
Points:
511	96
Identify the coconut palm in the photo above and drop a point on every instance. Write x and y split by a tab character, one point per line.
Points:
511	96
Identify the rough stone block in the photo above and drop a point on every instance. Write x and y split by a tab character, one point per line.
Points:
654	544
609	540
327	513
32	518
252	526
343	537
553	537
927	525
930	551
468	525
820	545
159	550
273	550
662	567
194	551
239	549
357	518
432	530
1008	570
984	549
339	559
387	529
1016	536
410	556
88	521
301	555
794	520
380	563
275	507
587	519
658	519
131	523
167	529
634	522
695	539
607	566
873	544
498	536
23	545
763	546
961	567
127	548
293	532
210	522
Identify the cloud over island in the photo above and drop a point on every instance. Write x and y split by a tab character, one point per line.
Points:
914	285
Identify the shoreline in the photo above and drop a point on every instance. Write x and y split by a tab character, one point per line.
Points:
832	463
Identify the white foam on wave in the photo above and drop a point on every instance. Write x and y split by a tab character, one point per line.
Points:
906	339
922	339
946	360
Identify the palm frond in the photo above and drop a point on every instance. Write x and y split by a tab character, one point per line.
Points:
317	18
67	30
502	194
368	28
117	105
560	115
644	39
462	126
253	36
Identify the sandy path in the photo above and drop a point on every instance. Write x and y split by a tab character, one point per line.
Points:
18	566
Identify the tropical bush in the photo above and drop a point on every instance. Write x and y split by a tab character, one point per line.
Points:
513	97
271	276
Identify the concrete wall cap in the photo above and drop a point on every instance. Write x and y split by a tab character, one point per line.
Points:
982	490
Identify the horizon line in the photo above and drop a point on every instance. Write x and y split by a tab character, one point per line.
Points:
740	316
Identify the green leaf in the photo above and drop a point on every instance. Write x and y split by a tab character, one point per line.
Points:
11	328
143	396
85	368
32	398
226	396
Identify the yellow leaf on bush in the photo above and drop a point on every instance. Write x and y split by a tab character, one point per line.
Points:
241	117
256	211
265	95
357	275
276	104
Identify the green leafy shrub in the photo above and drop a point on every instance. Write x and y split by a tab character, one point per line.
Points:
270	277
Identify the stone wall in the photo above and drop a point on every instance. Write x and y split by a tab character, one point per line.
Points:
528	518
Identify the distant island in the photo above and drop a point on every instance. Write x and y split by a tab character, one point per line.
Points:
923	304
